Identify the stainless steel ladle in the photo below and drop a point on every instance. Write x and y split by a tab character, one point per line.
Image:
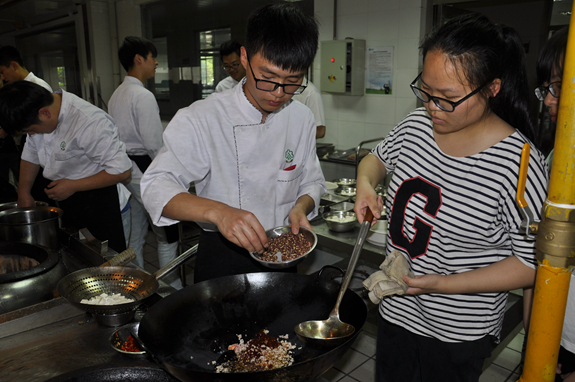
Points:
333	331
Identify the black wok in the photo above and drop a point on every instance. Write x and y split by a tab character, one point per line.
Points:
190	329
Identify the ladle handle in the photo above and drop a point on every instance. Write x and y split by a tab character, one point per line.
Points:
363	231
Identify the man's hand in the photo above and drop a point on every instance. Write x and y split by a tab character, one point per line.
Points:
3	134
61	189
242	228
25	200
298	218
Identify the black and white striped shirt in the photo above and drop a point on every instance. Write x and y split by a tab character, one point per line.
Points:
451	215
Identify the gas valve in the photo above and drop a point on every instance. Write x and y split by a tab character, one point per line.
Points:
529	225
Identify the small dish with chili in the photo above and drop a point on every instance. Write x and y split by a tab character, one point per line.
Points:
123	342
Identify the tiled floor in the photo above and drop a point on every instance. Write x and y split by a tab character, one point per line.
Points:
358	364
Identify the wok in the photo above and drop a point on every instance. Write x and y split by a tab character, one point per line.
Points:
190	329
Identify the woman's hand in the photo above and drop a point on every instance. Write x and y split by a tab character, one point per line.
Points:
430	283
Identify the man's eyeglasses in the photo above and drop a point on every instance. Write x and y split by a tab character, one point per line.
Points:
270	86
554	88
230	67
441	103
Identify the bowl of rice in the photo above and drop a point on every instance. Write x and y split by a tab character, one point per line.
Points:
340	221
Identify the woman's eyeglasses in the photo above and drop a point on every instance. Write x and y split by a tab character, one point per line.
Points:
554	88
441	103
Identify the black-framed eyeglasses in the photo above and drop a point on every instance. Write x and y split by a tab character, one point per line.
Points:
441	103
554	88
232	66
270	86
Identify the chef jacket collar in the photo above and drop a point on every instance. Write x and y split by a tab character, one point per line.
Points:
250	112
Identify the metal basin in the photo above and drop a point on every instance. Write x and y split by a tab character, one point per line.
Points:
32	225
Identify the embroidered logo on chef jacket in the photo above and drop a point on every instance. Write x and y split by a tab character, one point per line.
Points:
289	156
63	146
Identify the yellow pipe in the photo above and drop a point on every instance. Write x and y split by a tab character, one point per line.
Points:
554	273
552	285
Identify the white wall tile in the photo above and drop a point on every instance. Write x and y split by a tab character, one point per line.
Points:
351	108
407	54
410	22
380	108
331	132
383	25
330	108
376	130
379	5
352	7
402	78
354	26
350	134
406	4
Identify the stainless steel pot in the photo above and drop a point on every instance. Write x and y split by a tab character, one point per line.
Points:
32	225
12	205
33	285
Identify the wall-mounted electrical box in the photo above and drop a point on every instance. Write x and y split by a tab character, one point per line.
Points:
343	66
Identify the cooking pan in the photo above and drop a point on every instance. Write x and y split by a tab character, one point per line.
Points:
188	331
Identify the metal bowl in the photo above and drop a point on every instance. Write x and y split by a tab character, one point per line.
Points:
11	205
343	206
339	226
121	335
346	191
343	182
278	231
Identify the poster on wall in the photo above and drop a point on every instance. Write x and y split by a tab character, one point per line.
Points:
379	70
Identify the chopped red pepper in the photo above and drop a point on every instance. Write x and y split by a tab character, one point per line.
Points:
131	345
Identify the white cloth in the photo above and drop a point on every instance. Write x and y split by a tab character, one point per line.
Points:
225	84
137	115
221	145
37	80
311	97
84	143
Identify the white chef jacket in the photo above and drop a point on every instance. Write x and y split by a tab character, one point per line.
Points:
311	97
84	143
37	80
225	84
137	115
221	145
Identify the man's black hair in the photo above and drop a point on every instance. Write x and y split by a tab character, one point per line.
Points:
552	56
284	35
133	45
230	47
8	54
20	102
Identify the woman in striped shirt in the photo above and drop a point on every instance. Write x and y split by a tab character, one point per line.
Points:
451	203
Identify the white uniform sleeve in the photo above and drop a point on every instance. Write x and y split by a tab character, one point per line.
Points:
147	117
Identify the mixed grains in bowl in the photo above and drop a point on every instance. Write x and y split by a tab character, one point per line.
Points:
286	249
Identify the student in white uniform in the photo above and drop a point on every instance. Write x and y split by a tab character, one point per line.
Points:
136	112
250	151
77	146
230	55
12	69
312	99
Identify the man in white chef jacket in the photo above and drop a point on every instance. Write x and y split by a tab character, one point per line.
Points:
77	147
250	152
136	112
230	52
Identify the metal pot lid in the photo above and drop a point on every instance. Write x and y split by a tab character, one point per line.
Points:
47	260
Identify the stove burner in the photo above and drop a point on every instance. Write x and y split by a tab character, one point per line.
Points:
15	263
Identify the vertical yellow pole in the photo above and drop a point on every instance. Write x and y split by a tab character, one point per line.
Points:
555	243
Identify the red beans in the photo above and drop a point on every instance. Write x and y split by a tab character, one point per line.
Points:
291	247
